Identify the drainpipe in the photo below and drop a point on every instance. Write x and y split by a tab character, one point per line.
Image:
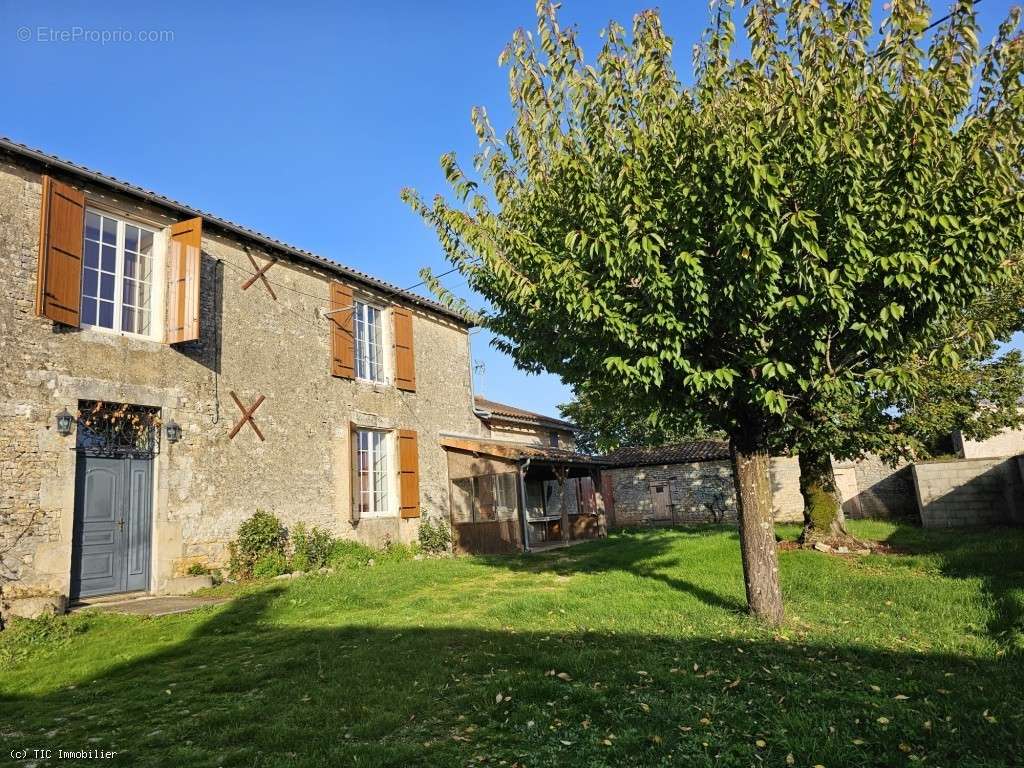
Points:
522	507
479	413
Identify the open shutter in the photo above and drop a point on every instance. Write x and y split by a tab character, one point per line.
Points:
405	364
408	473
343	345
61	237
183	265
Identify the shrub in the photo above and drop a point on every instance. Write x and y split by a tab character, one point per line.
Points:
260	535
197	569
270	564
435	537
310	549
396	553
349	555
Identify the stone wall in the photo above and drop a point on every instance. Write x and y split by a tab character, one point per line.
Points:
205	485
530	435
700	492
969	492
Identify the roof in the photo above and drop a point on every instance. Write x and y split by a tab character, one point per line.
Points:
503	412
675	453
293	252
514	451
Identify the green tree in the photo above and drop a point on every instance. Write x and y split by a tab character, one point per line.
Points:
976	393
607	422
784	231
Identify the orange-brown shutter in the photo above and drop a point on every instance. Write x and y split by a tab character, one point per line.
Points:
408	473
61	238
405	363
183	265
343	343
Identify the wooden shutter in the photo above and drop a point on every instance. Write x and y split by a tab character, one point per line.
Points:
61	238
405	363
183	264
408	473
343	343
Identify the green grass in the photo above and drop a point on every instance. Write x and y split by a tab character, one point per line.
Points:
630	651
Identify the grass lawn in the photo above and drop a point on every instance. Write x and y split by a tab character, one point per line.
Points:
629	651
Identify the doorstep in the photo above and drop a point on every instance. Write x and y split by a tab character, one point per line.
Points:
144	604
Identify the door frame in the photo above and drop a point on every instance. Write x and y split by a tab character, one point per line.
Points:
156	495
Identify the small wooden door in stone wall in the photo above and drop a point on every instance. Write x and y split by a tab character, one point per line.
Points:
661	501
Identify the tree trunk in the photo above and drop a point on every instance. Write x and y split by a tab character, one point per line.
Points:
824	521
756	522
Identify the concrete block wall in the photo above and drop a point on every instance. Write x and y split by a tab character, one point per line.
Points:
879	490
969	492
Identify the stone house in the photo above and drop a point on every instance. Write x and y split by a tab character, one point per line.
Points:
164	373
506	422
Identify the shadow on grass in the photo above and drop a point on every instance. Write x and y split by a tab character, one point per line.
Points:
649	553
993	555
247	689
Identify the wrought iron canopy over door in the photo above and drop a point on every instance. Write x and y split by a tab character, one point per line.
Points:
113	503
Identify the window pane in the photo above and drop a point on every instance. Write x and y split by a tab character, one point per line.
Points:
143	319
90	282
106	318
129	291
107	286
131	264
88	311
128	319
92	225
109	258
145	268
131	238
146	242
92	254
485	506
462	500
109	231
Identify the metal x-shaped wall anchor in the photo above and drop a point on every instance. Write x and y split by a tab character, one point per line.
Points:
261	274
246	417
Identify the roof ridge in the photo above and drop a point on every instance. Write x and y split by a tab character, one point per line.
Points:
38	155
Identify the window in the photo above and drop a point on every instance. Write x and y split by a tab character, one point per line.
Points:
117	275
368	341
372	479
553	439
485	498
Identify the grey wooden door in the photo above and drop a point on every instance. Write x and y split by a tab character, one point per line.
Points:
113	520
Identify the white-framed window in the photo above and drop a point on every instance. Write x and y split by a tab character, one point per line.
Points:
369	341
372	480
117	275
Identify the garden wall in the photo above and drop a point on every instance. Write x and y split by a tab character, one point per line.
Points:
952	494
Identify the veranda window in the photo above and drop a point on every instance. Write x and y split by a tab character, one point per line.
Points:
117	275
485	498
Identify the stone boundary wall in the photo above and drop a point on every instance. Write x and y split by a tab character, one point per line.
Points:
968	492
875	488
699	492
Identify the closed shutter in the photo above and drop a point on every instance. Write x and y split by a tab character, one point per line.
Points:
61	237
343	345
405	363
408	473
183	266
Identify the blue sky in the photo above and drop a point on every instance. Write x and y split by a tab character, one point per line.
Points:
303	123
